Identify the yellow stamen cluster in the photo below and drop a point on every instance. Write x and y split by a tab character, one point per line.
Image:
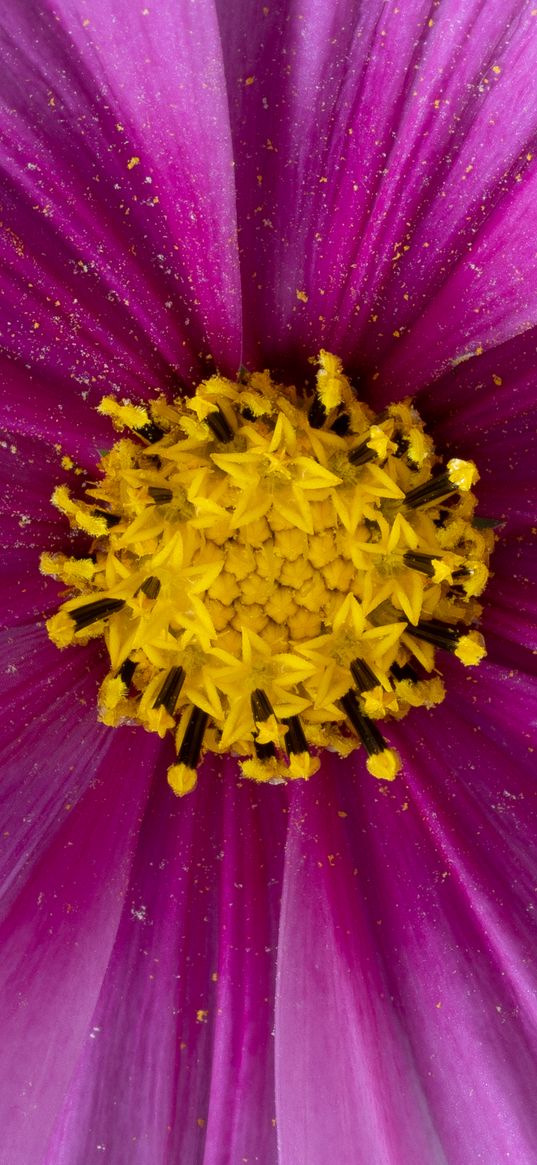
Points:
272	572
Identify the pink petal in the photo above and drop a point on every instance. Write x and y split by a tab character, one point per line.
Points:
379	151
119	202
406	1007
57	940
347	1089
178	1059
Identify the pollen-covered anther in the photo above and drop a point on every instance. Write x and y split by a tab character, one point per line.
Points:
272	571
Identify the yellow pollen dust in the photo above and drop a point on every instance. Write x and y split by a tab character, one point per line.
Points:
273	572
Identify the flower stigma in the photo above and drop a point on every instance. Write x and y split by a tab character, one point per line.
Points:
273	572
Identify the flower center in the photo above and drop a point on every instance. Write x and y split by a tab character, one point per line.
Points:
272	572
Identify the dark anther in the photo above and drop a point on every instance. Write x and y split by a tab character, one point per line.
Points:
261	706
487	523
362	454
110	519
295	741
189	752
150	432
169	692
372	740
364	678
404	672
264	751
151	586
160	494
220	427
127	671
402	447
247	414
443	515
341	425
420	562
430	491
92	612
439	634
316	412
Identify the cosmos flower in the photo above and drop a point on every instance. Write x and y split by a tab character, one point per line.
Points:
332	970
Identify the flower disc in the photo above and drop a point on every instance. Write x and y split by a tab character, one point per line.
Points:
272	572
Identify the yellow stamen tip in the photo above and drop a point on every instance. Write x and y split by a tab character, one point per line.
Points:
124	415
181	779
261	771
302	766
384	765
61	629
471	649
463	474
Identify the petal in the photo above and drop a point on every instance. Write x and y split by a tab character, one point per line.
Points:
347	1089
406	990
458	936
119	202
380	205
51	750
57	939
179	1056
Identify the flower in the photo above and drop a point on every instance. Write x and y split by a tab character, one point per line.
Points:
335	970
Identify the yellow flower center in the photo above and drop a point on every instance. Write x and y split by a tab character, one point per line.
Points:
272	572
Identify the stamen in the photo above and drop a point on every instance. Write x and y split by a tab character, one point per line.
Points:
434	631
458	478
151	587
430	491
295	741
303	598
261	706
190	750
467	645
302	764
487	523
110	519
406	672
170	690
362	454
382	761
220	427
127	671
341	425
364	678
317	412
423	563
160	494
264	751
92	612
150	432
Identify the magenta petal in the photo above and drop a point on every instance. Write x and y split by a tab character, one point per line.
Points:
51	748
347	1088
56	943
178	1059
405	999
119	235
379	156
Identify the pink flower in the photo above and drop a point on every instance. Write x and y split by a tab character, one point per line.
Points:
323	973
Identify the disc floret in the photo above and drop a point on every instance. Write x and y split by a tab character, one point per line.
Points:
272	572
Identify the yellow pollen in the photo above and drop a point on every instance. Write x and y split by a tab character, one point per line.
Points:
273	571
